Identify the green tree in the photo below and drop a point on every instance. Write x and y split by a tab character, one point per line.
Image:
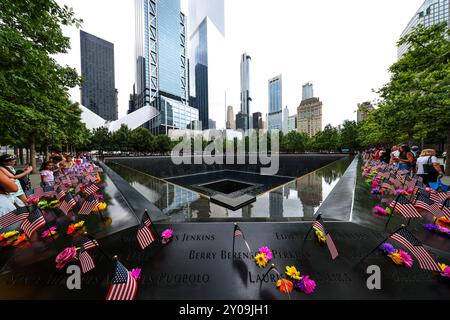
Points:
141	140
349	135
34	100
162	144
101	140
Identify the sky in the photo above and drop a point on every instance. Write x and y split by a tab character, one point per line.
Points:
343	47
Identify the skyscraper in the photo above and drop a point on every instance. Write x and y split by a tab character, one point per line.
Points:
161	64
257	121
307	92
430	12
231	123
275	116
245	88
363	111
309	114
292	123
285	123
206	59
98	91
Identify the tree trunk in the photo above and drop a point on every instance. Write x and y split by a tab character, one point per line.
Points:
33	153
21	160
16	152
47	153
27	155
447	161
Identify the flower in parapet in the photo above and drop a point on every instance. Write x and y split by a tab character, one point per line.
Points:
320	236
380	210
261	260
10	234
166	236
71	229
136	273
54	203
64	257
285	285
307	285
267	253
410	191
20	239
49	232
293	273
387	248
445	270
33	200
79	225
407	260
43	204
396	258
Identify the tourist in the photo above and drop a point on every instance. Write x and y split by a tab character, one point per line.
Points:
415	150
7	186
67	162
7	163
406	160
46	172
426	162
395	154
78	160
386	156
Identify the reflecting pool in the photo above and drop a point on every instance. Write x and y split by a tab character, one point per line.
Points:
300	198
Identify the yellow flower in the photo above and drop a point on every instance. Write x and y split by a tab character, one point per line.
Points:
320	236
10	234
396	258
293	273
79	224
101	206
261	260
442	266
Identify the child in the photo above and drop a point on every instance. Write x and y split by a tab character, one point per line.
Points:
47	178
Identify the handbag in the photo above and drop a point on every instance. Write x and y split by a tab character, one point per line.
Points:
430	170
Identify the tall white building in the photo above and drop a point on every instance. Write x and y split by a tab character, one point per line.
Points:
275	116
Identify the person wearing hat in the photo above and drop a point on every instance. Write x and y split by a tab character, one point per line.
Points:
7	163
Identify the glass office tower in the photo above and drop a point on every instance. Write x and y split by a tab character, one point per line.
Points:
206	60
161	63
275	116
98	92
430	12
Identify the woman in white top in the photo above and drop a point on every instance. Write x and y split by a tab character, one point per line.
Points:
7	185
428	156
7	163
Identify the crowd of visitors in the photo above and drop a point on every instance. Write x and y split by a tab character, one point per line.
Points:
423	163
14	183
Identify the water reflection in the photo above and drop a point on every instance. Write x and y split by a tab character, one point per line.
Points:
295	200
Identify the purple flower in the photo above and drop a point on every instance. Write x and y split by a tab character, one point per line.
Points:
431	227
387	248
307	285
297	284
266	252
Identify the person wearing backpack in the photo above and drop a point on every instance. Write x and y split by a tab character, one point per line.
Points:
428	166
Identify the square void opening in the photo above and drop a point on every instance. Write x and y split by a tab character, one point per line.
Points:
227	186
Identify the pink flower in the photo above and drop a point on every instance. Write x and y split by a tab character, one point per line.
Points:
136	273
380	210
46	233
446	272
266	251
167	234
65	257
407	260
33	200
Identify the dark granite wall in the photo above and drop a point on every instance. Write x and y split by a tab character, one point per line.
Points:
290	165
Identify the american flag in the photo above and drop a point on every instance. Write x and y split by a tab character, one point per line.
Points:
425	203
86	261
320	225
91	188
34	221
388	186
238	233
35	193
145	235
89	204
91	177
404	207
49	191
123	285
446	209
407	239
67	204
441	196
60	193
87	243
13	217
